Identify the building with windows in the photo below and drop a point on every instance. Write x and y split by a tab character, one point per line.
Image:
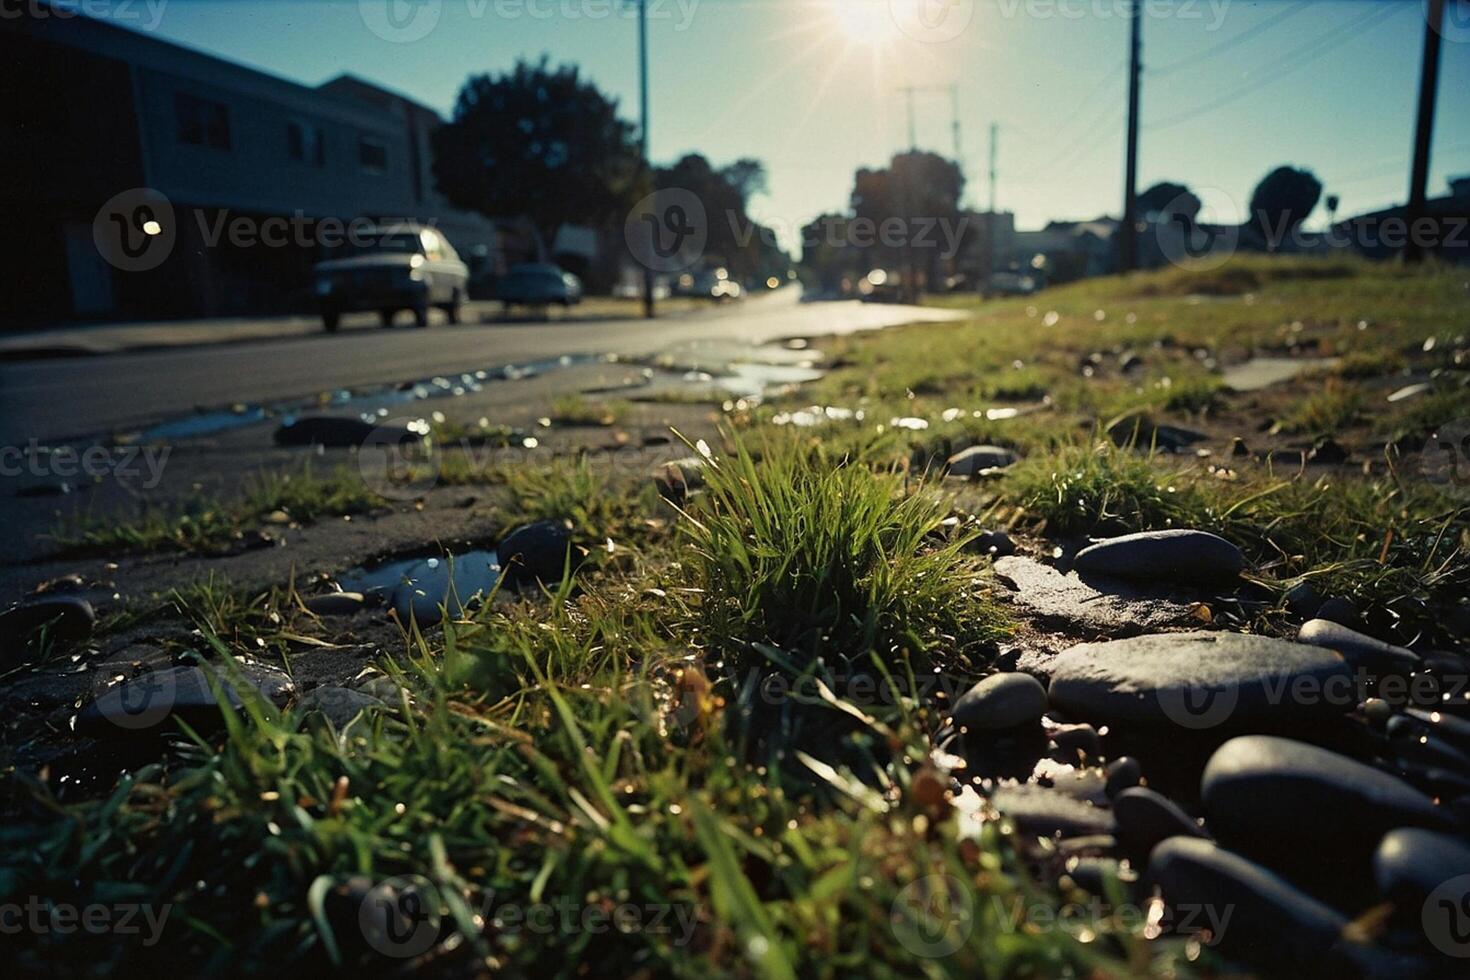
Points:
93	110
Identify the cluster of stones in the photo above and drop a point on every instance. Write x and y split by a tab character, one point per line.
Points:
1306	782
147	700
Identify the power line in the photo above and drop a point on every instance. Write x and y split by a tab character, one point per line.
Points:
1232	41
1292	61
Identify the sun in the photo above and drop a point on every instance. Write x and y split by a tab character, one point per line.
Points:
863	21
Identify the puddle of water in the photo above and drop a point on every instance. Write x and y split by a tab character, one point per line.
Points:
419	587
369	403
1263	372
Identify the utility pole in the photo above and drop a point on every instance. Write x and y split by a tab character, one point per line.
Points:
994	144
1128	233
954	123
648	306
1423	128
913	132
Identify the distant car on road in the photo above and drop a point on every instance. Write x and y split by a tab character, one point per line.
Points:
396	267
713	284
539	284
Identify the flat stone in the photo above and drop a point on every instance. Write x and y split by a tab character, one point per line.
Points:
1076	742
1410	391
976	460
339	705
1358	649
1200	680
1108	606
1179	555
537	552
1147	818
141	705
1143	434
1001	701
341	432
1043	812
336	603
1288	801
1272	925
62	620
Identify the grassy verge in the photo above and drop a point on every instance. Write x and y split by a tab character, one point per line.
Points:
711	753
213	525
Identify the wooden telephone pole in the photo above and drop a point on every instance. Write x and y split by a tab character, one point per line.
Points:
1423	129
1128	233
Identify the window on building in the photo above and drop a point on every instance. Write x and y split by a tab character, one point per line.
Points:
202	122
372	154
304	143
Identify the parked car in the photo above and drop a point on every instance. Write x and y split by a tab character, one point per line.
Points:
539	284
391	268
713	284
881	286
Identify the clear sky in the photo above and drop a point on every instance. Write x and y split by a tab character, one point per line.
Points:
812	87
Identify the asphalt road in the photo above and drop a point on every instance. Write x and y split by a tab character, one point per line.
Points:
73	398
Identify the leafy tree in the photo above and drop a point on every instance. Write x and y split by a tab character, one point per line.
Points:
1282	201
1165	200
922	192
746	248
539	144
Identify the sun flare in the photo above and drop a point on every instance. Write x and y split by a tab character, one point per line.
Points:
864	21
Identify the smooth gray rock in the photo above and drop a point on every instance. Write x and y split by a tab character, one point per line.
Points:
1179	555
336	603
339	705
1272	926
1043	812
1358	649
342	432
997	544
1123	773
1411	863
1001	701
1146	819
1340	610
1452	729
62	619
1201	680
1108	607
537	553
1076	742
677	479
1283	800
142	705
1141	433
977	459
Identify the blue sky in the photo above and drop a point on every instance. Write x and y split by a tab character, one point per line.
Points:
811	87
